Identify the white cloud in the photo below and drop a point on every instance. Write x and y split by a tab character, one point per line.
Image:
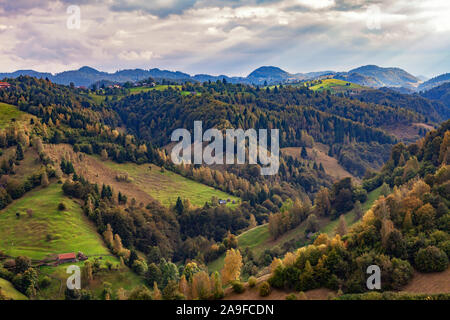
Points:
225	36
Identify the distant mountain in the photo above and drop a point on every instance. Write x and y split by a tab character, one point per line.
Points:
440	93
385	77
269	74
87	76
358	78
369	76
434	82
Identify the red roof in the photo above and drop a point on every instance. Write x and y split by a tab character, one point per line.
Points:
67	256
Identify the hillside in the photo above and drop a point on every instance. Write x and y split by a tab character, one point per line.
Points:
439	93
387	77
145	182
47	231
434	82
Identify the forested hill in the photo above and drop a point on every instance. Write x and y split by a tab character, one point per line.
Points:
433	110
405	230
350	127
353	127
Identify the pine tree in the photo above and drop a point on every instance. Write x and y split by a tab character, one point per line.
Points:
19	152
358	210
304	153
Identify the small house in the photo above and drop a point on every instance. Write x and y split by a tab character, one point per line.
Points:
66	257
222	202
4	85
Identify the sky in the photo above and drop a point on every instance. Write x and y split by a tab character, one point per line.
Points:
231	37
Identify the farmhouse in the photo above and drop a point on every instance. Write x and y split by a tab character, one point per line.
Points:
222	202
66	257
4	85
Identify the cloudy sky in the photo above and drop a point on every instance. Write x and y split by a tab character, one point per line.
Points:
230	37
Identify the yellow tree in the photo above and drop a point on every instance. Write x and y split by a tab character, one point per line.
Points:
201	286
156	293
183	287
232	266
108	236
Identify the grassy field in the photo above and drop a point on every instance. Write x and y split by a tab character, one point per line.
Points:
70	230
11	292
9	112
167	186
121	278
335	85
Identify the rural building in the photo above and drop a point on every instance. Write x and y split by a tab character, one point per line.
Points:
222	202
4	85
66	257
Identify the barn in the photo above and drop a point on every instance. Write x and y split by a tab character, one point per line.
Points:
66	257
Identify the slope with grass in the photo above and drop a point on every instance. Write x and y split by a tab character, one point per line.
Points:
10	292
10	114
258	239
147	182
335	86
47	231
118	277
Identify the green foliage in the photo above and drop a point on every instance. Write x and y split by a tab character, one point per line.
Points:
431	259
264	289
237	286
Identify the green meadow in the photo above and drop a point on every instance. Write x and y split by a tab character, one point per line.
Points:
167	186
9	113
48	231
11	292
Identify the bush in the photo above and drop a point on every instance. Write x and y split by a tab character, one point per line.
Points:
431	259
264	289
251	282
237	286
291	296
61	206
45	282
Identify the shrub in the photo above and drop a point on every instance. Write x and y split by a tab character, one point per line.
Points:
45	282
251	282
61	206
237	286
264	289
291	296
431	259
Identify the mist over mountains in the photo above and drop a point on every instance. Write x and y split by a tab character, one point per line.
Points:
369	75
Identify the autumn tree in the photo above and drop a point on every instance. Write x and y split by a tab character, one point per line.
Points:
322	202
44	179
108	236
201	286
104	155
156	293
232	266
